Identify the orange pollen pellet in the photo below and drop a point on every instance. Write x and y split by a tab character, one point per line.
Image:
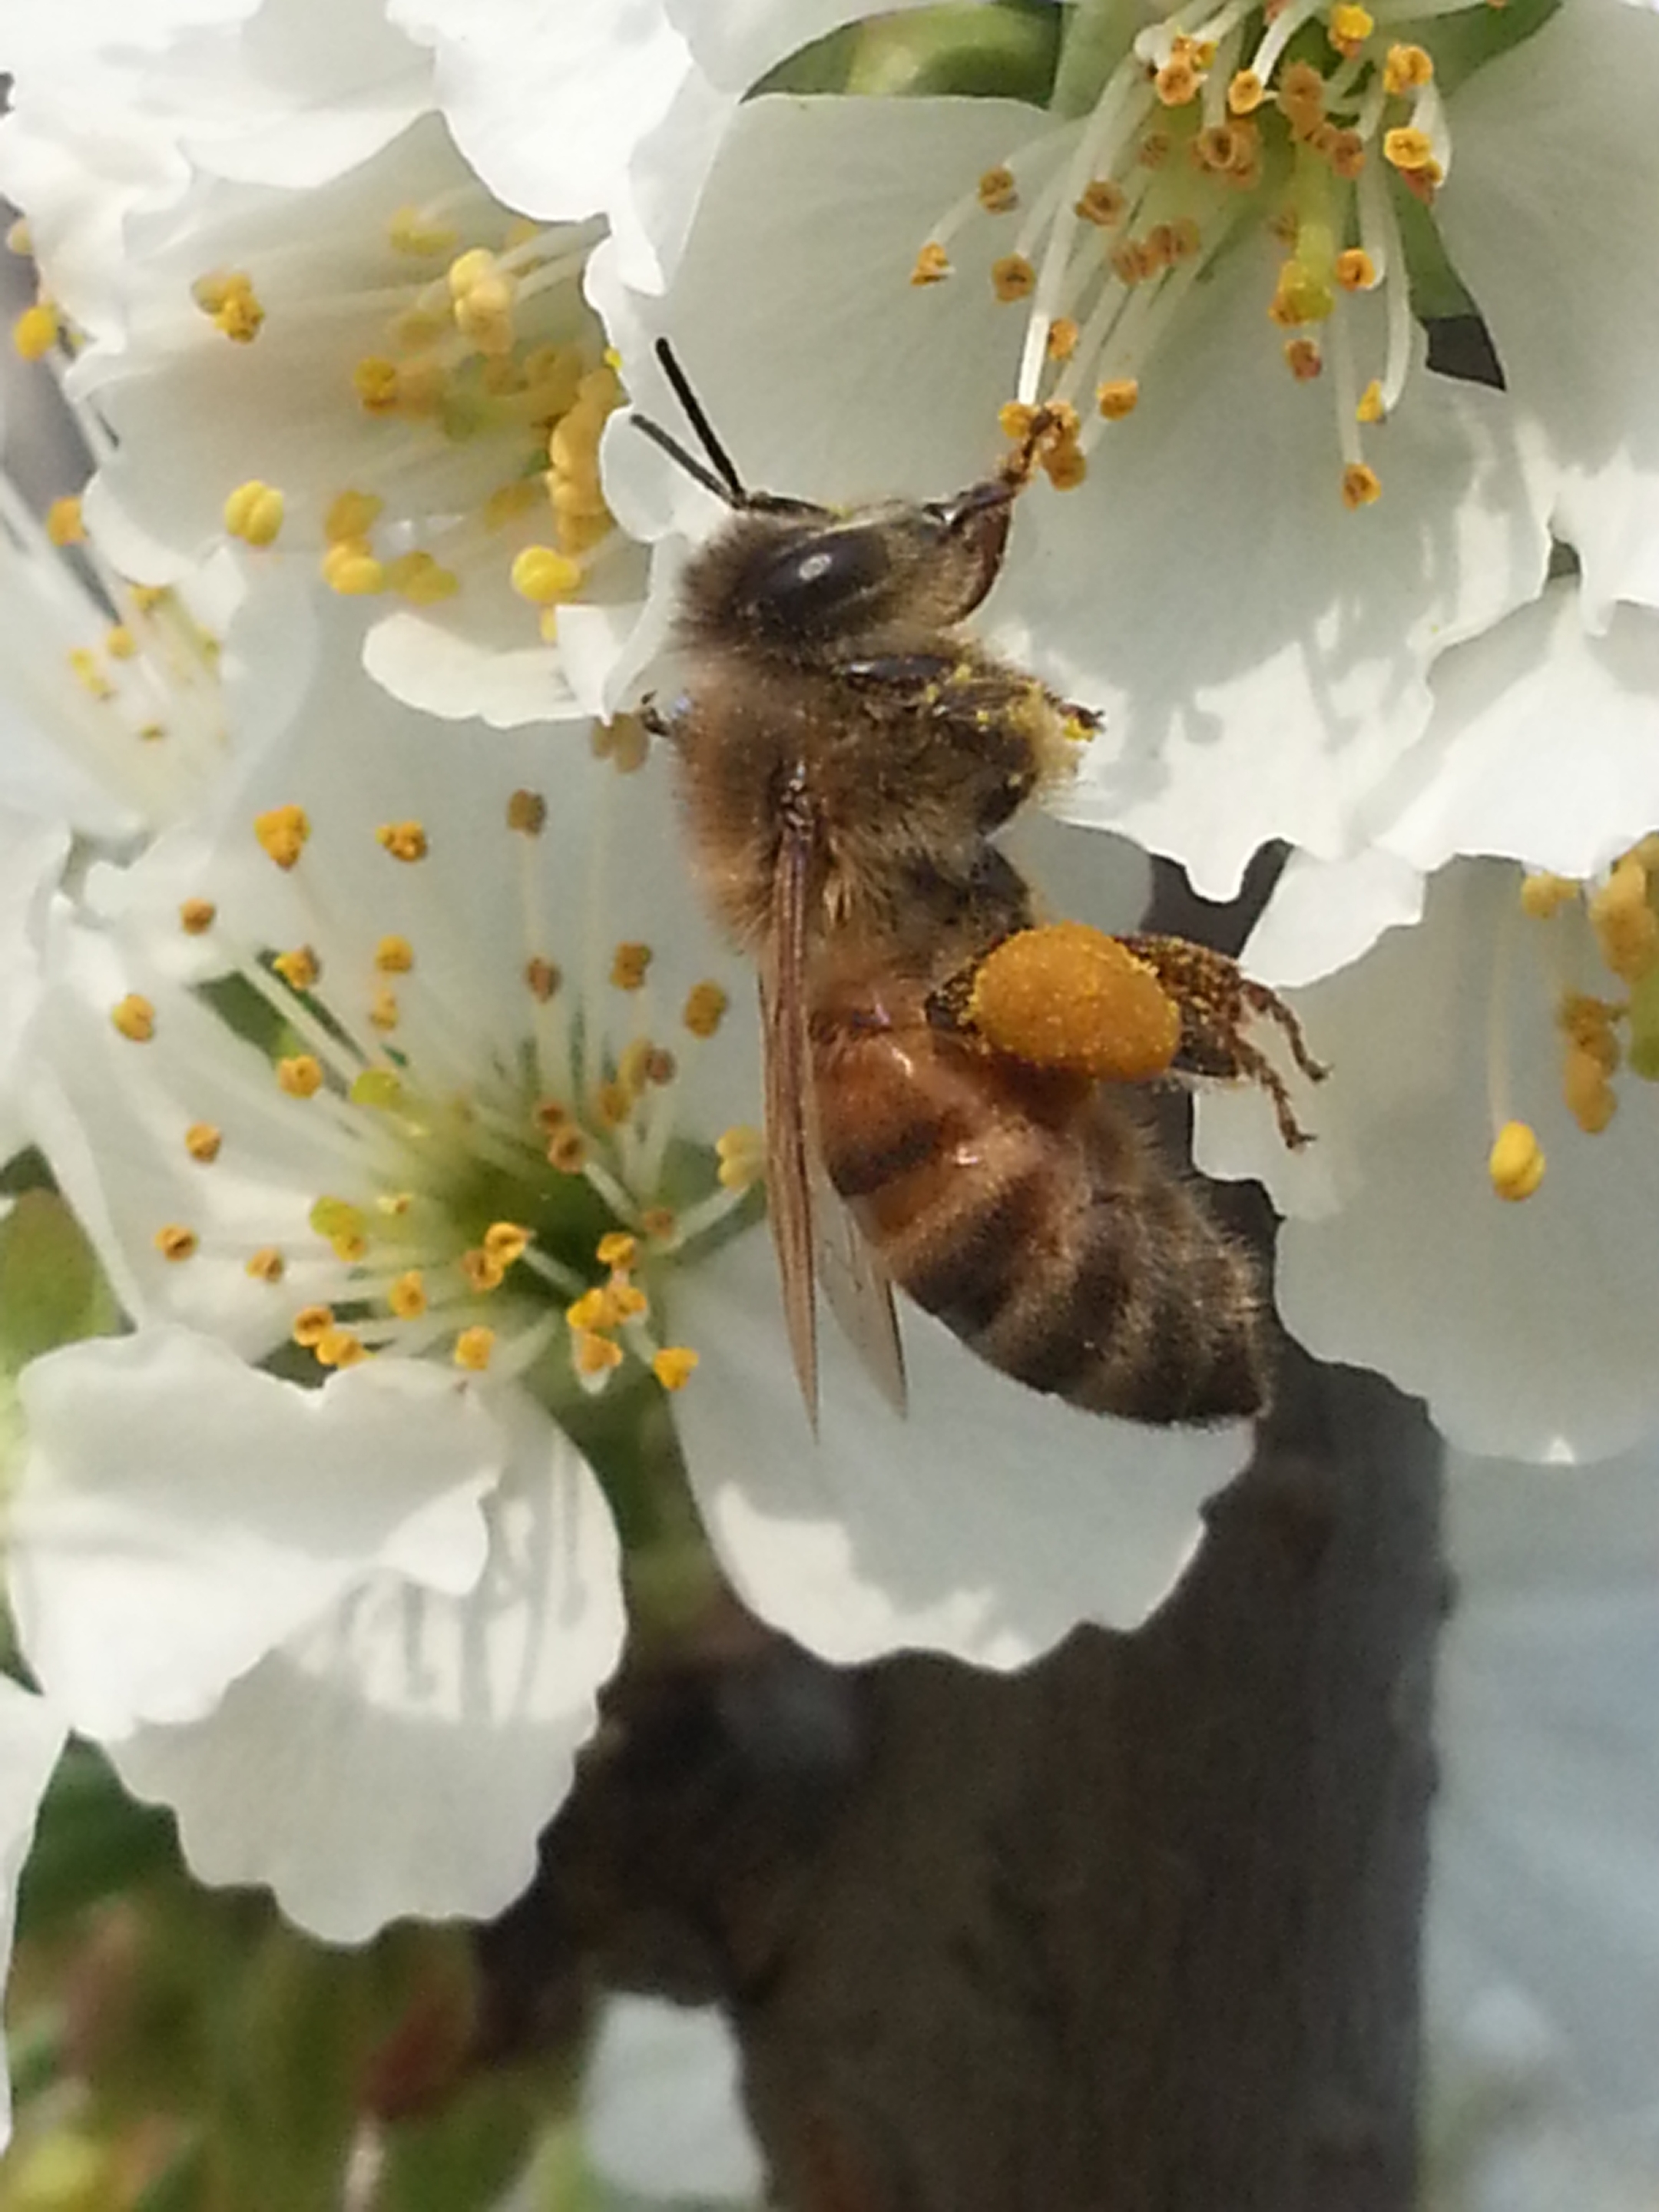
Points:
933	265
542	977
196	916
267	1265
404	841
629	965
1303	359
310	1324
474	1347
1012	276
704	1009
1355	270
282	831
526	812
394	956
300	969
174	1242
301	1076
135	1018
407	1296
998	193
1361	486
1067	996
203	1142
1118	397
674	1365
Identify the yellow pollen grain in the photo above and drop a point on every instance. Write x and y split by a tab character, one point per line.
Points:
741	1153
1543	895
474	1347
64	526
1067	996
202	1141
674	1366
527	813
1407	69
1303	359
567	1151
301	969
616	1249
1361	486
483	1270
310	1324
594	1354
998	192
35	331
407	1296
1013	277
404	841
135	1018
544	576
1515	1162
1245	93
1405	147
282	832
339	1348
253	512
394	956
1355	270
351	514
628	966
1117	396
267	1265
507	1241
175	1243
1102	202
300	1075
542	978
704	1009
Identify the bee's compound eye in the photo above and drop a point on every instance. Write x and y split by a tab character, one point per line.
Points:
820	581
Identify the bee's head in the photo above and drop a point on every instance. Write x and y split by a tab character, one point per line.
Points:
808	577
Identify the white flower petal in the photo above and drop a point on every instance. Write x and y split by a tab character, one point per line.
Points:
660	2113
989	1524
1555	148
402	1755
179	1514
32	855
32	1734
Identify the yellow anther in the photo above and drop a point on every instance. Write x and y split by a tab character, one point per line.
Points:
135	1018
933	265
657	1223
628	1301
196	916
483	1270
1355	270
595	1355
527	813
593	1310
384	1013
394	956
1063	334
1012	276
1345	152
1626	928
1102	202
351	514
468	269
235	306
378	1088
174	1242
301	969
624	741
510	501
253	512
350	1246
1177	82
300	1075
337	1216
282	831
411	232
1515	1162
507	1241
612	1103
1407	69
1067	996
310	1324
83	667
633	1066
119	642
1065	464
1589	1097
1303	359
1117	396
542	978
407	1296
474	1348
705	1008
1368	408
267	1265
543	576
741	1153
1348	27
339	1348
674	1366
1405	147
616	1249
1543	895
421	579
36	330
64	523
629	965
567	1151
998	192
351	569
1245	93
1361	485
376	383
1301	295
404	841
393	1204
203	1142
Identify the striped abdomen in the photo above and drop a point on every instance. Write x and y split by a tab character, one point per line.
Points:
1034	1216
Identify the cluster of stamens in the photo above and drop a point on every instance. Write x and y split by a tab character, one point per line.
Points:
1301	112
1603	1032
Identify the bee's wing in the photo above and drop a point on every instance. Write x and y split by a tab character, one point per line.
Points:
859	1293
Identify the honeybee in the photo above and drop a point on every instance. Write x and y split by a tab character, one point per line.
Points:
847	756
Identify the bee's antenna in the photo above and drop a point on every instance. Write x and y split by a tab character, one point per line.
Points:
730	485
692	467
